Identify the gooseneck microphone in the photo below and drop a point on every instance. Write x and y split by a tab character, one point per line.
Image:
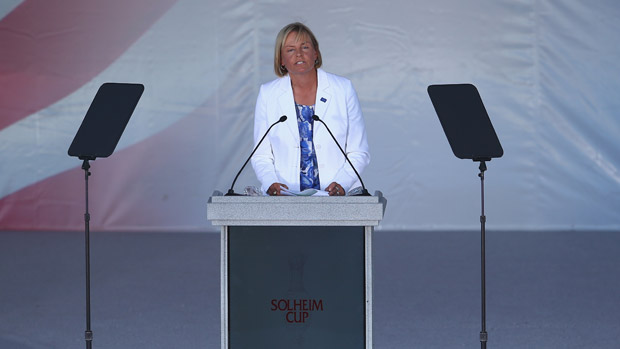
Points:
231	192
364	191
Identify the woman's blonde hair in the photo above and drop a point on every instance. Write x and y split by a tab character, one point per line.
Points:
302	31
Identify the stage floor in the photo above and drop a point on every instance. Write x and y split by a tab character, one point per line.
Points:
157	290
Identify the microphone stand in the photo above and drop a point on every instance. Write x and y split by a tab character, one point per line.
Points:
231	192
364	191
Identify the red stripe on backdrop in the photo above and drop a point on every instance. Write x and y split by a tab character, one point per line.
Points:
50	48
150	186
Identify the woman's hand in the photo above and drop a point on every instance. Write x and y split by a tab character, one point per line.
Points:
335	189
274	189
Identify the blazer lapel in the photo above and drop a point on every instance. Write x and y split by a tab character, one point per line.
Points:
287	106
323	98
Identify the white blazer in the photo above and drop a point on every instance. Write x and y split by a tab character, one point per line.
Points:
278	157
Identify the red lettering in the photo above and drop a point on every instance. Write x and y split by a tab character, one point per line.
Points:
301	306
274	306
298	317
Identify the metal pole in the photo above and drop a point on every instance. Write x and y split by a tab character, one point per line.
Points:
483	332
88	335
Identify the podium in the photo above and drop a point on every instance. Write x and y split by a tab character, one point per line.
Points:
296	272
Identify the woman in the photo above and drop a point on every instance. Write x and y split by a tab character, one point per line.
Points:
299	153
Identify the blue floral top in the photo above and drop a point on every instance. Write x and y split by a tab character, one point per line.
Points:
309	174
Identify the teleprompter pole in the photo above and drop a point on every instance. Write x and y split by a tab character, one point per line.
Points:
471	135
88	335
97	137
483	218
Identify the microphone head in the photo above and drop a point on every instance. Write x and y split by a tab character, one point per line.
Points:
283	118
315	118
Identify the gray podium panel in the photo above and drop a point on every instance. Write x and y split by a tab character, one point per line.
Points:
293	210
290	279
296	287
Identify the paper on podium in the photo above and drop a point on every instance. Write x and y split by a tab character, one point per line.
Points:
305	192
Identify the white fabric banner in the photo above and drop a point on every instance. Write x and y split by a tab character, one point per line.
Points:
546	70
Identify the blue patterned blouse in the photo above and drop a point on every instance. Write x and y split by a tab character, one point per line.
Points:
309	174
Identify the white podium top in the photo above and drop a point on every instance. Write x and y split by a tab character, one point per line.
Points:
296	210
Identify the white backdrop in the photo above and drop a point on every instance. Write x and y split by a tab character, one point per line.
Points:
547	72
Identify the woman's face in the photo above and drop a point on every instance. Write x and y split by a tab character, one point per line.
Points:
298	54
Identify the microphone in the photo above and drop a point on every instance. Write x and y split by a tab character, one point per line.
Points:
231	192
364	191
